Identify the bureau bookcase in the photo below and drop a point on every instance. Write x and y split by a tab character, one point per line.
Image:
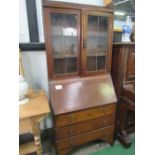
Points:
78	48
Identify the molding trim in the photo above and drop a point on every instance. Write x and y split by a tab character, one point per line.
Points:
25	47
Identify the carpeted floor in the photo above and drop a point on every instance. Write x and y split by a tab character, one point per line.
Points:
117	149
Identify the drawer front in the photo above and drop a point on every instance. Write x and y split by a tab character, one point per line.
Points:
79	128
83	138
85	115
64	152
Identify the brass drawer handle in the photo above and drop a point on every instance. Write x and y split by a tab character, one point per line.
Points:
104	111
104	122
71	118
71	131
71	141
89	114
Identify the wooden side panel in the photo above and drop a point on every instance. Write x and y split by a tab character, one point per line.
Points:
115	66
130	74
123	65
84	115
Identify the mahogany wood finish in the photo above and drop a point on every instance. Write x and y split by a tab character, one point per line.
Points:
123	74
84	110
83	138
83	106
84	126
49	49
81	93
84	115
123	62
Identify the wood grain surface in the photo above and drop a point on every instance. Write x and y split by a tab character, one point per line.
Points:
81	93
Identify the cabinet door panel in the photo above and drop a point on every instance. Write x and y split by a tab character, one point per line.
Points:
63	49
130	68
97	40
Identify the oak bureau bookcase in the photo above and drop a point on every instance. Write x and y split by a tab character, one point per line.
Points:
79	48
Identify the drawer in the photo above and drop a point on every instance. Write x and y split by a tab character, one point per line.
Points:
83	138
64	152
84	115
79	128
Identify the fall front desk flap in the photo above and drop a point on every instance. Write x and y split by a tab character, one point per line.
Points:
70	95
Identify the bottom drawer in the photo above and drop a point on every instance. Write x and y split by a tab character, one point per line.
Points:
107	138
83	138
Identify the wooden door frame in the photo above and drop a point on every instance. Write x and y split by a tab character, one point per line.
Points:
48	40
86	13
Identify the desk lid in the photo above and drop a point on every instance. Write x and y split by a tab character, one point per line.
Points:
81	93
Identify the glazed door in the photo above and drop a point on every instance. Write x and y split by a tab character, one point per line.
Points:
97	42
62	42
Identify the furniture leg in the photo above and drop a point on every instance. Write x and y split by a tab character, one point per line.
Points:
36	133
122	134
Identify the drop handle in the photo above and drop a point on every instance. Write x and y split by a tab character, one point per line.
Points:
84	44
104	122
71	141
71	131
71	118
104	112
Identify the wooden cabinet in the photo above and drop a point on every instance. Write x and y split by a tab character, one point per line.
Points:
79	44
78	41
123	65
123	74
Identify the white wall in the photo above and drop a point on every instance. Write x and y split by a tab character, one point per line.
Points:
23	23
35	67
35	72
89	2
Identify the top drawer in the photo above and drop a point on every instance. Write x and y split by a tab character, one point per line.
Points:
84	115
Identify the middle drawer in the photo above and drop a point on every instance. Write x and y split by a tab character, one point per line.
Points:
84	127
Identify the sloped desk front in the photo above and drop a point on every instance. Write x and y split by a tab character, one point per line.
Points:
84	110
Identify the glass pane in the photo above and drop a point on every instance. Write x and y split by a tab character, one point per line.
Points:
91	63
59	65
71	65
64	42
100	62
97	42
